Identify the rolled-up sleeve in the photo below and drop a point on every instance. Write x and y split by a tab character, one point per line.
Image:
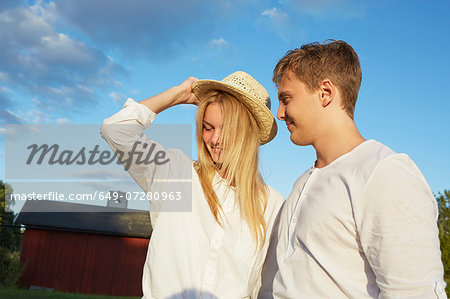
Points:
123	130
124	133
396	217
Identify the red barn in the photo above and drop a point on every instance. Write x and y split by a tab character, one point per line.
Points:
91	249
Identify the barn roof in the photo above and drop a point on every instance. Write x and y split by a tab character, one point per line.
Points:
65	216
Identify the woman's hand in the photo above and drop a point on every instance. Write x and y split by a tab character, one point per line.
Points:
180	94
187	96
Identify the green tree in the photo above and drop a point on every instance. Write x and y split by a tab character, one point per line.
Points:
10	236
444	232
10	242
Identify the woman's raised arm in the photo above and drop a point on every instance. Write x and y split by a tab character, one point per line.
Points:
180	94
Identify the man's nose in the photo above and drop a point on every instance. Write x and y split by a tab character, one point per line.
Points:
281	112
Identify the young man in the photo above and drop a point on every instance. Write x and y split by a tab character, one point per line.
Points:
361	222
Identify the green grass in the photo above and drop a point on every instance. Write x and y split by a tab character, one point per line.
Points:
15	293
447	289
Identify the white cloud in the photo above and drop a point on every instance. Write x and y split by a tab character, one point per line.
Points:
4	76
218	43
276	15
277	20
63	98
102	174
8	117
60	49
35	116
117	97
62	121
54	67
5	89
156	29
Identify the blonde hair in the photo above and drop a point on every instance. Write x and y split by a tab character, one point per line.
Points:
239	140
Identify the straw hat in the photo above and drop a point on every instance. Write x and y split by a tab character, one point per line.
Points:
252	94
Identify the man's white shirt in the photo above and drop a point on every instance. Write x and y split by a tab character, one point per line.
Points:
364	226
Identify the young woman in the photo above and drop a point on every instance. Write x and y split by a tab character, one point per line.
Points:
217	248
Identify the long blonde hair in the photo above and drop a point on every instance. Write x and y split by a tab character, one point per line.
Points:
239	139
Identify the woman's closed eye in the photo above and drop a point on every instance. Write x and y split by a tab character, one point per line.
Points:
208	128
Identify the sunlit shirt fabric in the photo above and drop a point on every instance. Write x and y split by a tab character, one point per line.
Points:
364	226
190	255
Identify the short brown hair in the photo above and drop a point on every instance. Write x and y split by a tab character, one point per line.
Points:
314	62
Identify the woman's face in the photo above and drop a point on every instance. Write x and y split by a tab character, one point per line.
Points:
212	126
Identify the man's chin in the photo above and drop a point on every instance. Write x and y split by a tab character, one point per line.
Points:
298	141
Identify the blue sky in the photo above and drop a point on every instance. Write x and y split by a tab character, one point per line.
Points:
77	62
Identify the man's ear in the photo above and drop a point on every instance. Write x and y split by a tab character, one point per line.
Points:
327	92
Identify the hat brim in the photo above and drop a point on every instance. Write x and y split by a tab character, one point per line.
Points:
263	115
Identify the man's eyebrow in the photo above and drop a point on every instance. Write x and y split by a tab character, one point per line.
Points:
283	94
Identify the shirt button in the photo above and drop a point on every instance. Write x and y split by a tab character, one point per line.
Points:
294	220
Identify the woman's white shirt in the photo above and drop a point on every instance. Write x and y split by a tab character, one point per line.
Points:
190	255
